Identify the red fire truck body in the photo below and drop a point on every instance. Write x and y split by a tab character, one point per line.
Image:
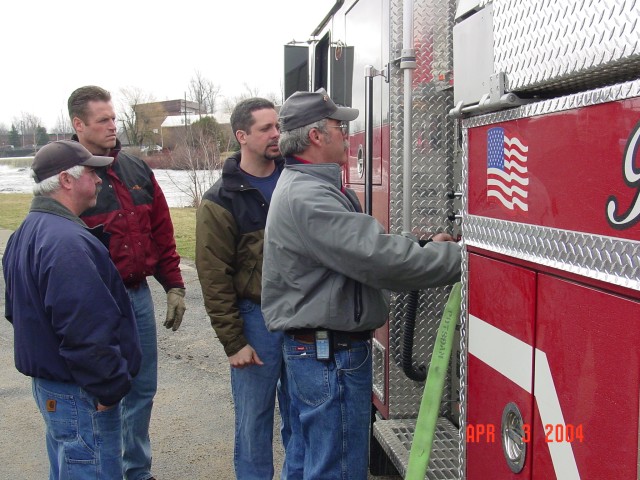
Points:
517	125
553	305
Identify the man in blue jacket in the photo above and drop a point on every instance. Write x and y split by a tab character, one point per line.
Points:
74	329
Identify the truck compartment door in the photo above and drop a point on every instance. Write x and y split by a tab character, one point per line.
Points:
500	368
587	377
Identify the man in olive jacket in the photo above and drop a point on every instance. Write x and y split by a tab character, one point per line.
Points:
229	241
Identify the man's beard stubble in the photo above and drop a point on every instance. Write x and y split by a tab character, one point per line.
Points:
271	156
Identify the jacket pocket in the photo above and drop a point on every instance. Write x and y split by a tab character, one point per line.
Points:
244	281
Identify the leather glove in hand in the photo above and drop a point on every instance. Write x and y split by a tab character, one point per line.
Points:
175	308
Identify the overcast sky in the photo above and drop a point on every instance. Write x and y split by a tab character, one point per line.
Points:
51	48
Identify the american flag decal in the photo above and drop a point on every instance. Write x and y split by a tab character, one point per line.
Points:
507	175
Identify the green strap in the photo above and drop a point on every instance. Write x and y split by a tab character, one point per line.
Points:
430	405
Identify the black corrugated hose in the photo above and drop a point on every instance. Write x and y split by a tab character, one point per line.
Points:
418	374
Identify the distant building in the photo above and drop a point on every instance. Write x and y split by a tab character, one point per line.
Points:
164	122
151	116
172	129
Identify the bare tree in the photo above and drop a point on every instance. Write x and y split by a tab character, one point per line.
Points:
198	153
132	122
27	124
204	92
278	98
249	92
274	97
63	128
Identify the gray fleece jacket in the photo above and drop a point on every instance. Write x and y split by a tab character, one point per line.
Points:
328	265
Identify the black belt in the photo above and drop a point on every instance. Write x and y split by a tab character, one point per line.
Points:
339	339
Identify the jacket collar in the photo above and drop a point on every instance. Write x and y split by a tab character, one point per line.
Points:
53	207
112	153
293	160
329	172
49	205
232	177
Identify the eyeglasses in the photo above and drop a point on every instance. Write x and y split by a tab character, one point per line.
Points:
343	126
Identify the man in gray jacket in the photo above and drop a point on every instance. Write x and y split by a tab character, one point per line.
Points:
325	270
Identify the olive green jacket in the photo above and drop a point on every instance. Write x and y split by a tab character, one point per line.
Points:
229	241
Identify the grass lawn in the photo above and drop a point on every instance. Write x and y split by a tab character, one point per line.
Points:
184	226
15	206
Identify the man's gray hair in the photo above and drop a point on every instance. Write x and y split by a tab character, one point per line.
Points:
297	140
52	184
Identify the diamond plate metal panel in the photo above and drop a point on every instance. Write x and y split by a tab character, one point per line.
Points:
607	259
396	436
433	174
379	370
583	99
464	312
566	45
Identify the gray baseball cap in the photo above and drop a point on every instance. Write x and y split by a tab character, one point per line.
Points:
305	108
56	157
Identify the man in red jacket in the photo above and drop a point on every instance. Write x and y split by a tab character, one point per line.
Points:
133	209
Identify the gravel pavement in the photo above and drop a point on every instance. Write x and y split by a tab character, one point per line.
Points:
192	423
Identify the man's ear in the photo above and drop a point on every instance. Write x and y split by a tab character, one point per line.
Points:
316	136
65	180
77	124
241	137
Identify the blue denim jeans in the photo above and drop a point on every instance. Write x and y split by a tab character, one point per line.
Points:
330	411
136	406
82	443
254	390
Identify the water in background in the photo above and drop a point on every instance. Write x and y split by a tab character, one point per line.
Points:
174	183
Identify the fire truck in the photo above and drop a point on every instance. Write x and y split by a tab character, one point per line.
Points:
516	125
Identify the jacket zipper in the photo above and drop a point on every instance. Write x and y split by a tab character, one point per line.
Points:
357	302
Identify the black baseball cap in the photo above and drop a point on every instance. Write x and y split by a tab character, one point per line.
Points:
56	157
305	108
